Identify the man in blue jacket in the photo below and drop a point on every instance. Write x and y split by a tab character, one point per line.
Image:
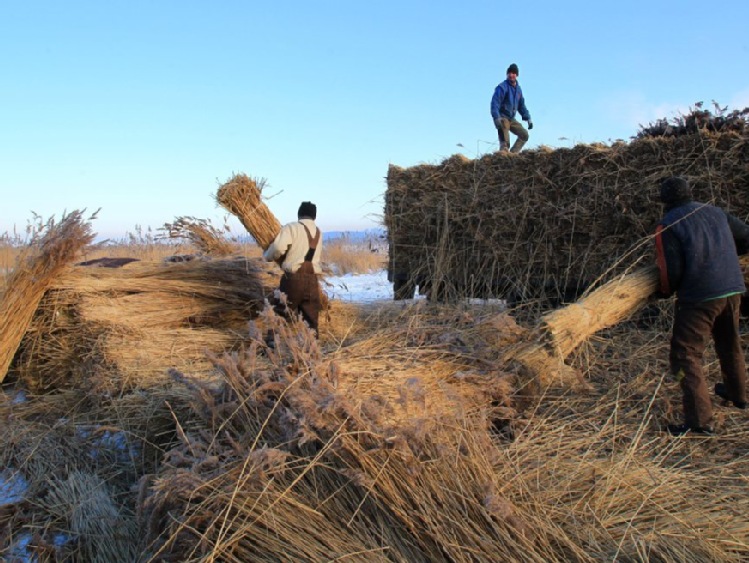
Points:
697	248
507	101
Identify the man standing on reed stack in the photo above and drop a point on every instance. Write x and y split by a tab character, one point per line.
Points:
506	102
297	249
697	248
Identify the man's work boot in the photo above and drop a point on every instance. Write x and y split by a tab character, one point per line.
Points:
504	147
517	147
681	429
722	392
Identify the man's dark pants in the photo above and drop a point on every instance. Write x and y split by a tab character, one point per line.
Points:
302	291
694	323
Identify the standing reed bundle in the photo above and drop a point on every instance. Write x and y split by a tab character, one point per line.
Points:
41	262
242	196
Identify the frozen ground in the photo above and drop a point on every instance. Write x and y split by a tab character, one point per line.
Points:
368	288
359	288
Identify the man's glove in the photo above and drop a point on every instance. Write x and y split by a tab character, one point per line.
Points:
498	123
530	124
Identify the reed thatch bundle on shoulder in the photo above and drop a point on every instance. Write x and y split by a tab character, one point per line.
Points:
242	196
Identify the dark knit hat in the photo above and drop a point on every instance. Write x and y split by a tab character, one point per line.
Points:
675	190
513	68
307	209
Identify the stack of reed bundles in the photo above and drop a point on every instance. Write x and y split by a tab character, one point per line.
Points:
548	223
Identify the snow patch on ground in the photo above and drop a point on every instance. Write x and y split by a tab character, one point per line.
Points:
359	288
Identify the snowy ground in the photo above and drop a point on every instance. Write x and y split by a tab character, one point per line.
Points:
359	288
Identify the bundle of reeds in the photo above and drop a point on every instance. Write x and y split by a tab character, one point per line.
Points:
242	196
202	234
135	323
607	306
40	263
546	224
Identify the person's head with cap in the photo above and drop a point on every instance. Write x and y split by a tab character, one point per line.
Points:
675	191
307	210
512	72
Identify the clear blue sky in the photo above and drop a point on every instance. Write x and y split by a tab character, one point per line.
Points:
143	108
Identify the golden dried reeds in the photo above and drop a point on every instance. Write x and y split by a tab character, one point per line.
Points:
306	460
202	234
40	263
608	305
242	196
545	225
133	324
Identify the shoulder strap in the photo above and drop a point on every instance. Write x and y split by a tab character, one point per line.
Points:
312	243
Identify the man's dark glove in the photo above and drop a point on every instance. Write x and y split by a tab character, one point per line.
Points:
498	123
530	124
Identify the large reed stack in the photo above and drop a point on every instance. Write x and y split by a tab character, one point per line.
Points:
546	224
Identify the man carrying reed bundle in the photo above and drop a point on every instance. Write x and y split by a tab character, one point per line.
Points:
697	247
297	249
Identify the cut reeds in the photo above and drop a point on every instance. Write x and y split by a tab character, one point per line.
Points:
545	225
607	306
40	263
133	324
243	197
209	240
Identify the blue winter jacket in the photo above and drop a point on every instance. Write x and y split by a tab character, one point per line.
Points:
697	247
508	100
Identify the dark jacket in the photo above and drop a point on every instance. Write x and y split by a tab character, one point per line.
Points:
697	248
508	100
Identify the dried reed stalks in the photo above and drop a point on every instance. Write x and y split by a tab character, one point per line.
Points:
242	196
133	324
546	224
608	305
202	234
305	460
40	263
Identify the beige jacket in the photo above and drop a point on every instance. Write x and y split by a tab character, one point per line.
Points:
292	240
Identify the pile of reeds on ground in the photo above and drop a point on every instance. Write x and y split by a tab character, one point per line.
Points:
392	446
323	458
129	325
549	223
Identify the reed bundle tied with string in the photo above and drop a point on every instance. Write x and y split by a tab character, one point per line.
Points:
549	223
243	197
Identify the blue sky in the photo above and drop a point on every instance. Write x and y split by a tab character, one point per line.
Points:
143	108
